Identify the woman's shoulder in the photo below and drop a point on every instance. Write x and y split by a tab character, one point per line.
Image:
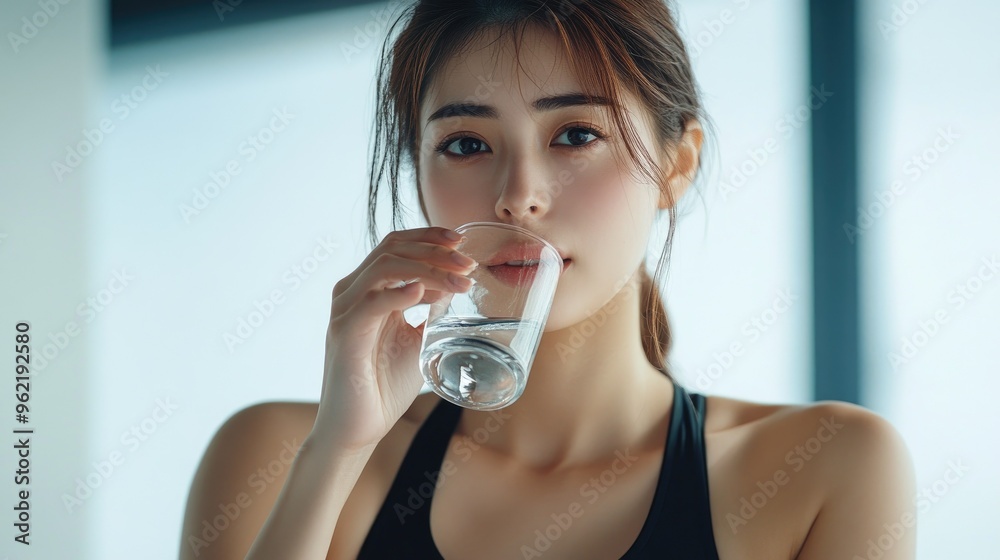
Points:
294	420
298	412
262	432
783	420
792	435
774	467
298	417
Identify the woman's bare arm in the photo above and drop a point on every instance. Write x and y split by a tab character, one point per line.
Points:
268	488
363	395
869	510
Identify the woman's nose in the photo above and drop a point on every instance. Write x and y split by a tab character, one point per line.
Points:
525	192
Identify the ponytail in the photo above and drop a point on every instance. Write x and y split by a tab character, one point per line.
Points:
654	326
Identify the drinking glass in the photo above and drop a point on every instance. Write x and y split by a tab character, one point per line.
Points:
478	346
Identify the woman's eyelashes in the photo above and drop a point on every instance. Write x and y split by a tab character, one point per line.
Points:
468	146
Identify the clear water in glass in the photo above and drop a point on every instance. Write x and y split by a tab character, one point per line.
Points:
479	361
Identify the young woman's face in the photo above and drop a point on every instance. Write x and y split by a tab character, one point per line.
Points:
543	167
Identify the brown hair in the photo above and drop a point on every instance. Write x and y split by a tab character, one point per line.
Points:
615	44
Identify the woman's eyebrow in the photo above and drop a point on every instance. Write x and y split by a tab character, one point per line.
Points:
541	104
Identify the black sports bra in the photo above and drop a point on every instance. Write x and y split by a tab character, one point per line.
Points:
679	523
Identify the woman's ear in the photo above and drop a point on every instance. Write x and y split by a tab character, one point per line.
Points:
686	155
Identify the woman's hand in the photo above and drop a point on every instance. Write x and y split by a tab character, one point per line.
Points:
371	376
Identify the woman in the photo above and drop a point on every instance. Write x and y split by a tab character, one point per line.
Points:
581	122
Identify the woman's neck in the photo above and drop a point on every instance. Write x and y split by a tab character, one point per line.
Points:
591	392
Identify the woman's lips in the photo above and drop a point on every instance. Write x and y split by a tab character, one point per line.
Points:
516	275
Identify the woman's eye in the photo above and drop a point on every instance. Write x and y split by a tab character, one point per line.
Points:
577	135
467	146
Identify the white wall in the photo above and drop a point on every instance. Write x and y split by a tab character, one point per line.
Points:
52	67
297	203
931	73
741	249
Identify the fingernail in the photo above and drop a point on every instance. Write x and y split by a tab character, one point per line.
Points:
460	281
459	258
453	235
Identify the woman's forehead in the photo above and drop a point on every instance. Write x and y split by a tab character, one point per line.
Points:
492	72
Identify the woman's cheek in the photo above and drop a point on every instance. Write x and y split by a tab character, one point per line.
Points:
623	209
448	195
599	197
